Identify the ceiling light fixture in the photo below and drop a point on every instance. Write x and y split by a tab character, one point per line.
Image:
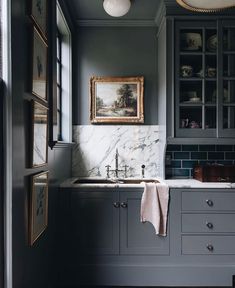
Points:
206	5
117	8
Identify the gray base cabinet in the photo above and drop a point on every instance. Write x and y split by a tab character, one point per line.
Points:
106	244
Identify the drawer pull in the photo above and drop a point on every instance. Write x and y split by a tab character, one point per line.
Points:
116	204
209	225
124	205
209	203
210	247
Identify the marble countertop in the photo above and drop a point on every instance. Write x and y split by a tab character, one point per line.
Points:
173	183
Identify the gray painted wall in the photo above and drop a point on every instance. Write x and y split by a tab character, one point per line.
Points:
114	51
32	266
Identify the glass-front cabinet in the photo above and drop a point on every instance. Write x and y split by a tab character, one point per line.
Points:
205	79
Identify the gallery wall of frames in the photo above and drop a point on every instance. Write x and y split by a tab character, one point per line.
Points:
38	119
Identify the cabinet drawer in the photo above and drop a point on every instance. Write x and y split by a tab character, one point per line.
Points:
204	223
208	201
208	245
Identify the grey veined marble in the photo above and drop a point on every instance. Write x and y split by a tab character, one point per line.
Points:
95	147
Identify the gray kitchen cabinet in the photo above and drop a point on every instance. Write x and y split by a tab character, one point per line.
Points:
102	217
105	243
138	238
199	79
95	221
204	79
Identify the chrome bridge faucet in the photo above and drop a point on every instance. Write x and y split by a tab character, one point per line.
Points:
116	170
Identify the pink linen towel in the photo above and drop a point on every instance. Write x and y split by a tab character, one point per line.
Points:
154	206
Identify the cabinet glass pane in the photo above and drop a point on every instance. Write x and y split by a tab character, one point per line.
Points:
190	91
229	92
229	39
210	117
191	40
191	117
210	92
211	66
211	40
191	66
229	65
229	117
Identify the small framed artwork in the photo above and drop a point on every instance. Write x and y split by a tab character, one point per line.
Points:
39	66
38	12
39	134
117	99
38	206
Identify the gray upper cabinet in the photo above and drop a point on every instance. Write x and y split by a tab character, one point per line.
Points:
200	80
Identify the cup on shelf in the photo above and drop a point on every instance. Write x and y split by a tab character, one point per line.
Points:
211	72
186	71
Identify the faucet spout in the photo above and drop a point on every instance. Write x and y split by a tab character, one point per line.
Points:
116	162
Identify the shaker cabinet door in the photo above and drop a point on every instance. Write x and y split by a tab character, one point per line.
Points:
95	222
138	238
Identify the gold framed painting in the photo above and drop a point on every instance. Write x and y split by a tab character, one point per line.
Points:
38	206
39	66
38	12
117	100
39	134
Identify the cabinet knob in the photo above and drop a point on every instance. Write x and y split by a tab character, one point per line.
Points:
124	205
209	225
210	247
209	202
116	204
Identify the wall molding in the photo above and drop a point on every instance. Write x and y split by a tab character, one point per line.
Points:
116	23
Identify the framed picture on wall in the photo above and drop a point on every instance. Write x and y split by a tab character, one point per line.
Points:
39	135
117	100
38	206
38	12
39	66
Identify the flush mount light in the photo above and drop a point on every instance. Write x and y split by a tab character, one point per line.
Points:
116	8
206	5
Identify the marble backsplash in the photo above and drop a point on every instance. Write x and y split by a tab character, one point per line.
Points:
95	147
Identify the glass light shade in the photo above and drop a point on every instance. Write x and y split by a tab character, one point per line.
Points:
116	8
206	5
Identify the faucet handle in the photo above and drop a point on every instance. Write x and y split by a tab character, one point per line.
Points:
108	170
125	170
143	166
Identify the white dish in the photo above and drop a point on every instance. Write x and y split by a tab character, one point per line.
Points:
191	41
212	43
195	99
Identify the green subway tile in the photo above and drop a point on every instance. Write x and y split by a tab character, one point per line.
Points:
172	147
189	163
224	148
230	155
199	155
181	155
176	164
206	147
189	147
216	155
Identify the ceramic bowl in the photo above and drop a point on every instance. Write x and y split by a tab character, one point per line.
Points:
186	71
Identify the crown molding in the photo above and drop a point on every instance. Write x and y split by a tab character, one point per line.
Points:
161	13
115	23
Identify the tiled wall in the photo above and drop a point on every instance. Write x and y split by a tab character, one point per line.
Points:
180	159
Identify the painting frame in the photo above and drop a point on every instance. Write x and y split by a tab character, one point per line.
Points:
39	15
39	71
39	134
117	100
38	205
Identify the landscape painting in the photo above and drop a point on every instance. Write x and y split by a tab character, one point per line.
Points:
117	100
